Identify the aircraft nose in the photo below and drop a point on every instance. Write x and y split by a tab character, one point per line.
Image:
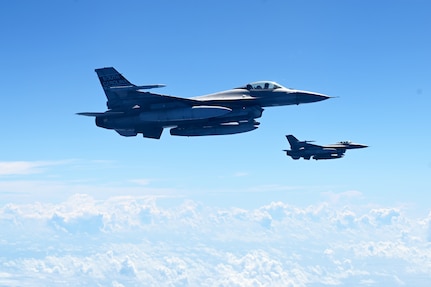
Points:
356	145
310	97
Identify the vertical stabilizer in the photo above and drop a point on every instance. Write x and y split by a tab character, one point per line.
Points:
115	86
109	78
293	141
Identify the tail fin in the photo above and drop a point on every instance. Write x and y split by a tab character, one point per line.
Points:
109	78
115	86
118	89
293	141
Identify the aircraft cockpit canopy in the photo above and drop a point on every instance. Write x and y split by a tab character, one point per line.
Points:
262	85
345	142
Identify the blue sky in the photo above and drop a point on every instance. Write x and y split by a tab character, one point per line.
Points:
221	210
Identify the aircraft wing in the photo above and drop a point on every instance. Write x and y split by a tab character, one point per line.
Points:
147	100
309	146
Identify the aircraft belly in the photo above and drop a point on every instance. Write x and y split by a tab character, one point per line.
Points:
197	116
184	114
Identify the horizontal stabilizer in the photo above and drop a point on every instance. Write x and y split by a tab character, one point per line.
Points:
135	88
146	87
96	114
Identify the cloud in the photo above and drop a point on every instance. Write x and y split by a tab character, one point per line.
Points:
24	167
87	223
124	241
382	216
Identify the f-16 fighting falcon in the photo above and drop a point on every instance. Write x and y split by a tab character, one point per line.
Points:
132	111
306	150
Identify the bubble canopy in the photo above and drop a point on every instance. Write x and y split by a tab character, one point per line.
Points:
262	85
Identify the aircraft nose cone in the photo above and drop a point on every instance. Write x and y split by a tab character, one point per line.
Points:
355	145
310	97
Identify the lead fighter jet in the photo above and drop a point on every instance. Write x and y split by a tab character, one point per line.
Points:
306	150
132	111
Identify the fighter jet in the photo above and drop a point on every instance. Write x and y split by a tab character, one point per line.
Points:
306	150
132	111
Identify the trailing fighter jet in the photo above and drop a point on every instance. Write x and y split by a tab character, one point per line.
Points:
132	111
306	150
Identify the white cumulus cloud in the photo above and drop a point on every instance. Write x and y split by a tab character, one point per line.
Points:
134	241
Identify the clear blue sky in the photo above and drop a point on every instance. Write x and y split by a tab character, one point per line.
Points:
374	56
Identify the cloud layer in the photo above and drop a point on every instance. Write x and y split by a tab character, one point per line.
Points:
136	241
